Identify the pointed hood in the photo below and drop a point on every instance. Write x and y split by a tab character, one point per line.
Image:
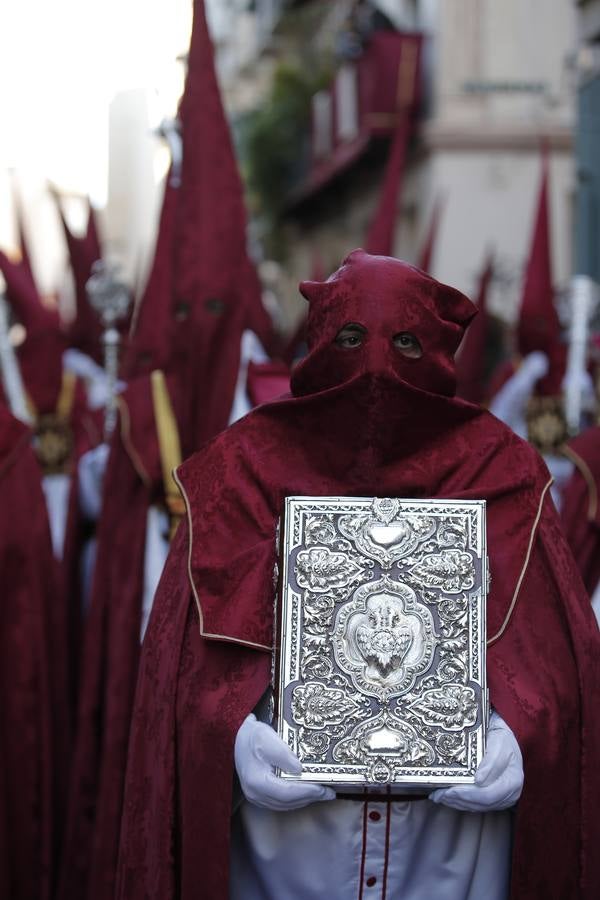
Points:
23	244
203	289
215	292
470	363
40	354
85	330
210	216
21	289
380	237
152	323
24	298
538	326
427	251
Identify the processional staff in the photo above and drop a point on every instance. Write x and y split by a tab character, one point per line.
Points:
583	302
110	298
12	382
170	131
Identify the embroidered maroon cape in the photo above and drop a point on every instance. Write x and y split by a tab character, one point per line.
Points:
580	510
362	421
34	737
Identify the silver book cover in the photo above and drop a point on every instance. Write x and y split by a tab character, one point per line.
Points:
379	663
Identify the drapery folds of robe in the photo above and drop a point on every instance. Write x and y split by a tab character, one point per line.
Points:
580	511
34	732
365	421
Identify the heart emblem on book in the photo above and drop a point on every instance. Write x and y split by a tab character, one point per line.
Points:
387	535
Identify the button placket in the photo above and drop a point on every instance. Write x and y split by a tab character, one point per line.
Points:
375	842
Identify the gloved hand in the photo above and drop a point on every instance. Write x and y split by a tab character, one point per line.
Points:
510	403
257	750
92	466
94	376
498	780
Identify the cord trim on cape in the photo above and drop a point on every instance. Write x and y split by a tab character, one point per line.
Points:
206	634
511	608
586	473
66	397
169	447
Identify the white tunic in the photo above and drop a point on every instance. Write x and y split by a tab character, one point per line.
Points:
155	556
56	491
596	603
355	850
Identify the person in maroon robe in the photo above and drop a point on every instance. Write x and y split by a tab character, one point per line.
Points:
64	429
33	689
372	413
201	296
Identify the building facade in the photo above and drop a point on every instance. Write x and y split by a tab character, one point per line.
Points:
498	81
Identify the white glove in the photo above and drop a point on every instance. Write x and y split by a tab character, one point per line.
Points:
81	364
92	466
498	780
94	375
510	402
257	750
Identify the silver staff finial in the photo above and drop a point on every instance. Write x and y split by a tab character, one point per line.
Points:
110	298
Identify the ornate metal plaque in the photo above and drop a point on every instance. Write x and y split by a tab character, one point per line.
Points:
379	664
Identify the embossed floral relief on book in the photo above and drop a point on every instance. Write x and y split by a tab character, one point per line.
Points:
379	667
